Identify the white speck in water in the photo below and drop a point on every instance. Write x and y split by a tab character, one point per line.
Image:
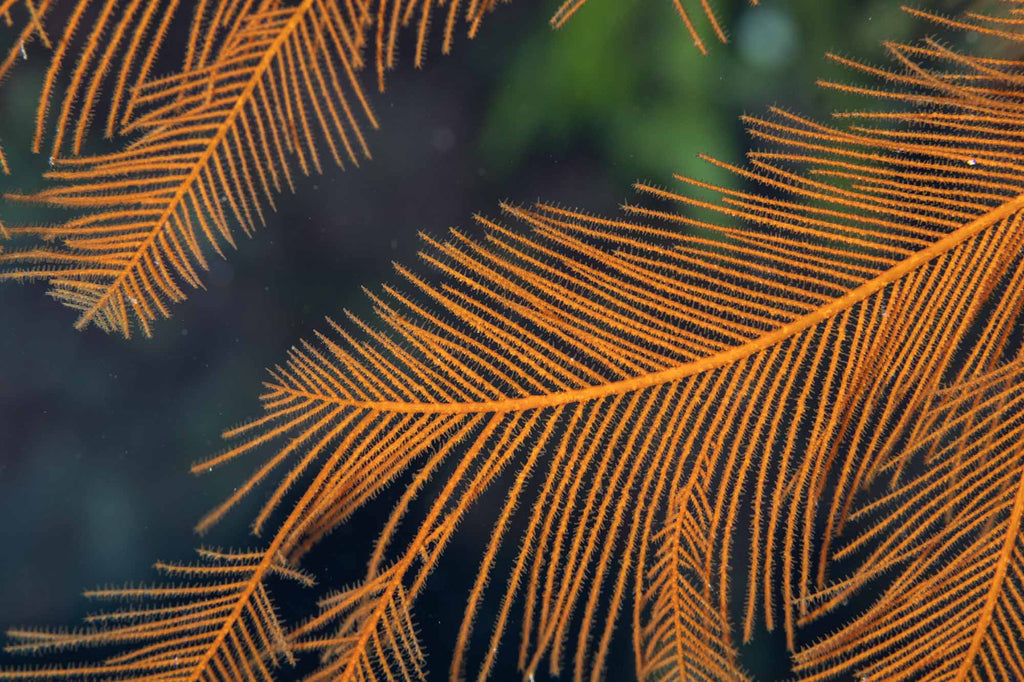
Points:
24	55
972	162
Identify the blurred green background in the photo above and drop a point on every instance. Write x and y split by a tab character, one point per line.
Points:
96	433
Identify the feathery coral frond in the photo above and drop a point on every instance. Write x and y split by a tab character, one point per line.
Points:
389	16
119	46
610	342
216	621
30	27
649	384
683	635
955	610
258	82
632	434
570	7
219	141
28	20
376	638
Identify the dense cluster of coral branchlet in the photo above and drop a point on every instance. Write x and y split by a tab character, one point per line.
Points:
827	373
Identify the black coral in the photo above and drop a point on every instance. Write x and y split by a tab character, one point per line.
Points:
829	353
216	616
265	90
213	151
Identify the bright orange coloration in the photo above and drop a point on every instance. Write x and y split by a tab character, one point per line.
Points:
212	149
215	618
31	23
823	367
31	28
211	152
570	7
391	15
955	537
